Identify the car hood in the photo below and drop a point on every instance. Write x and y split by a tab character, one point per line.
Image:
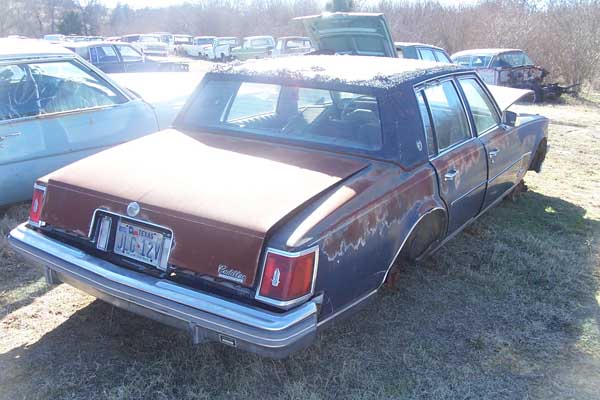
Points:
221	195
507	96
167	92
324	28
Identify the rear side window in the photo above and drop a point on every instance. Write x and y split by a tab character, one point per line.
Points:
427	54
103	54
448	115
129	54
442	57
482	109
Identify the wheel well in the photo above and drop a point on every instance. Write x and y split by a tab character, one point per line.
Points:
540	156
424	237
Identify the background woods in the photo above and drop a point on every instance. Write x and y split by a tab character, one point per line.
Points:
561	35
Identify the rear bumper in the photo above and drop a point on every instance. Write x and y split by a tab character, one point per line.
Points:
206	317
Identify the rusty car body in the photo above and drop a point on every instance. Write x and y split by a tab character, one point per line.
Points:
284	195
512	68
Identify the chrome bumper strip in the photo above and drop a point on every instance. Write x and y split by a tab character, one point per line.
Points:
207	317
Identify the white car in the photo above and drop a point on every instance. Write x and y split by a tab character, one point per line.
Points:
150	45
199	47
221	48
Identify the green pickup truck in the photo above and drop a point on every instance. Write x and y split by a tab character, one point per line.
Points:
254	47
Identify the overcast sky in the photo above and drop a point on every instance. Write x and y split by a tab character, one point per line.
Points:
164	3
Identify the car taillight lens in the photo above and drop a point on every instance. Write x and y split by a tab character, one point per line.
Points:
287	277
37	203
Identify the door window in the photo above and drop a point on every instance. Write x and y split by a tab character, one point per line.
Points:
427	54
442	57
129	54
482	108
103	54
28	90
448	115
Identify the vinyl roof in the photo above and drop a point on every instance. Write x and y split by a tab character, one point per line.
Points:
373	72
11	49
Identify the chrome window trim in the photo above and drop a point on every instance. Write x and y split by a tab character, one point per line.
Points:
452	77
170	239
288	303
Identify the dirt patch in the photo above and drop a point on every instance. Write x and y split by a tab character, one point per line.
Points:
509	309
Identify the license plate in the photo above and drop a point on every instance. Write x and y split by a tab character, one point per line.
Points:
140	244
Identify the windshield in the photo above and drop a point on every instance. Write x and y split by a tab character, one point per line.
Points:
341	119
149	39
263	42
232	42
204	41
183	40
516	59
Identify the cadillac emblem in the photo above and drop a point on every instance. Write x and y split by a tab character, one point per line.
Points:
133	209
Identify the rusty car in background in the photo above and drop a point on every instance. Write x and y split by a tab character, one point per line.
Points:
286	192
512	68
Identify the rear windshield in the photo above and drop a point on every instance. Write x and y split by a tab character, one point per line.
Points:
341	119
474	61
356	45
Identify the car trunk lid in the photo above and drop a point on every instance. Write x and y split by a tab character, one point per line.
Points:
220	195
350	33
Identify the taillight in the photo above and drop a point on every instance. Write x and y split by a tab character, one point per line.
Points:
288	278
37	203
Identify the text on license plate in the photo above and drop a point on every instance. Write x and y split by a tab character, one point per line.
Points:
139	243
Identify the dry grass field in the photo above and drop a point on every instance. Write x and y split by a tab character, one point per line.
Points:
509	309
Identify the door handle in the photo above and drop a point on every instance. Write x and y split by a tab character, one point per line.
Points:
450	175
493	153
4	137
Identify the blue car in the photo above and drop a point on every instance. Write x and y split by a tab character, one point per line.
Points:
55	108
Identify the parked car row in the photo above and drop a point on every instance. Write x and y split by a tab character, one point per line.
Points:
118	57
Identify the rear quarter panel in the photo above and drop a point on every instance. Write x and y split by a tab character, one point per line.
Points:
360	227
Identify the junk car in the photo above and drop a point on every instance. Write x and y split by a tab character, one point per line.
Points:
254	47
512	68
55	108
292	45
116	57
420	51
285	194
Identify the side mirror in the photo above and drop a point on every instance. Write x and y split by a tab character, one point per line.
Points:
509	118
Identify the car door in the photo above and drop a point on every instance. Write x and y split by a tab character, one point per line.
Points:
55	112
506	164
458	157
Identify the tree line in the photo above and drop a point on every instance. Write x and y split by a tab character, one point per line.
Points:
561	35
